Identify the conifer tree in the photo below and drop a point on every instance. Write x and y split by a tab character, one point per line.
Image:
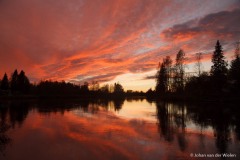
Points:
14	81
161	86
219	68
5	82
234	71
23	82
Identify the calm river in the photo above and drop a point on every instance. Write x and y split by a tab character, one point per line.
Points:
122	129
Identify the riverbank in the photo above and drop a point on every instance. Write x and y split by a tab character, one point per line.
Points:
167	97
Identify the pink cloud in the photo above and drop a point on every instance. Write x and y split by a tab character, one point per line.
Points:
80	40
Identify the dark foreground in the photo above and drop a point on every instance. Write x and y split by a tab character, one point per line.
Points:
119	129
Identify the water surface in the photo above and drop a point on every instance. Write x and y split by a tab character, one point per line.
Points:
120	129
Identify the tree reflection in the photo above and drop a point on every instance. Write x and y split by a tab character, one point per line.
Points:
4	126
172	119
18	112
221	122
237	128
180	120
48	106
14	113
118	103
11	113
218	116
165	121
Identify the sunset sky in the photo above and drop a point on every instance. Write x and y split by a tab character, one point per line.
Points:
111	40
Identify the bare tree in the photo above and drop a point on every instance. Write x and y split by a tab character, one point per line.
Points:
198	66
180	71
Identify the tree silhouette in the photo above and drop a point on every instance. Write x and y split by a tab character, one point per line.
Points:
179	71
161	86
198	86
5	82
198	66
94	86
84	88
118	88
4	127
165	122
164	76
14	81
219	68
105	88
234	71
150	93
23	82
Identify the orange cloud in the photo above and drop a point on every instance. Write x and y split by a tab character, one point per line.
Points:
81	40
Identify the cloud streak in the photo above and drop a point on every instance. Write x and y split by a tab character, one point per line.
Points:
80	40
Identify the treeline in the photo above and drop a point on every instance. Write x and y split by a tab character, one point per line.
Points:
221	81
48	88
18	84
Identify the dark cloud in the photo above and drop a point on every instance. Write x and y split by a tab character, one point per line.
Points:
99	78
222	25
149	77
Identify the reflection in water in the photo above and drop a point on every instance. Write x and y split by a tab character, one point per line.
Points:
18	112
165	121
172	121
118	104
220	118
223	119
109	126
237	128
11	113
4	139
87	105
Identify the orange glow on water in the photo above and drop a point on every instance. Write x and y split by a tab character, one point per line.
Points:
138	130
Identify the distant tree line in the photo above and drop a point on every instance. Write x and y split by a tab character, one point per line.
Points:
18	84
173	81
47	88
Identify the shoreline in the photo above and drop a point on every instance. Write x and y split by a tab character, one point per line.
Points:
168	98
